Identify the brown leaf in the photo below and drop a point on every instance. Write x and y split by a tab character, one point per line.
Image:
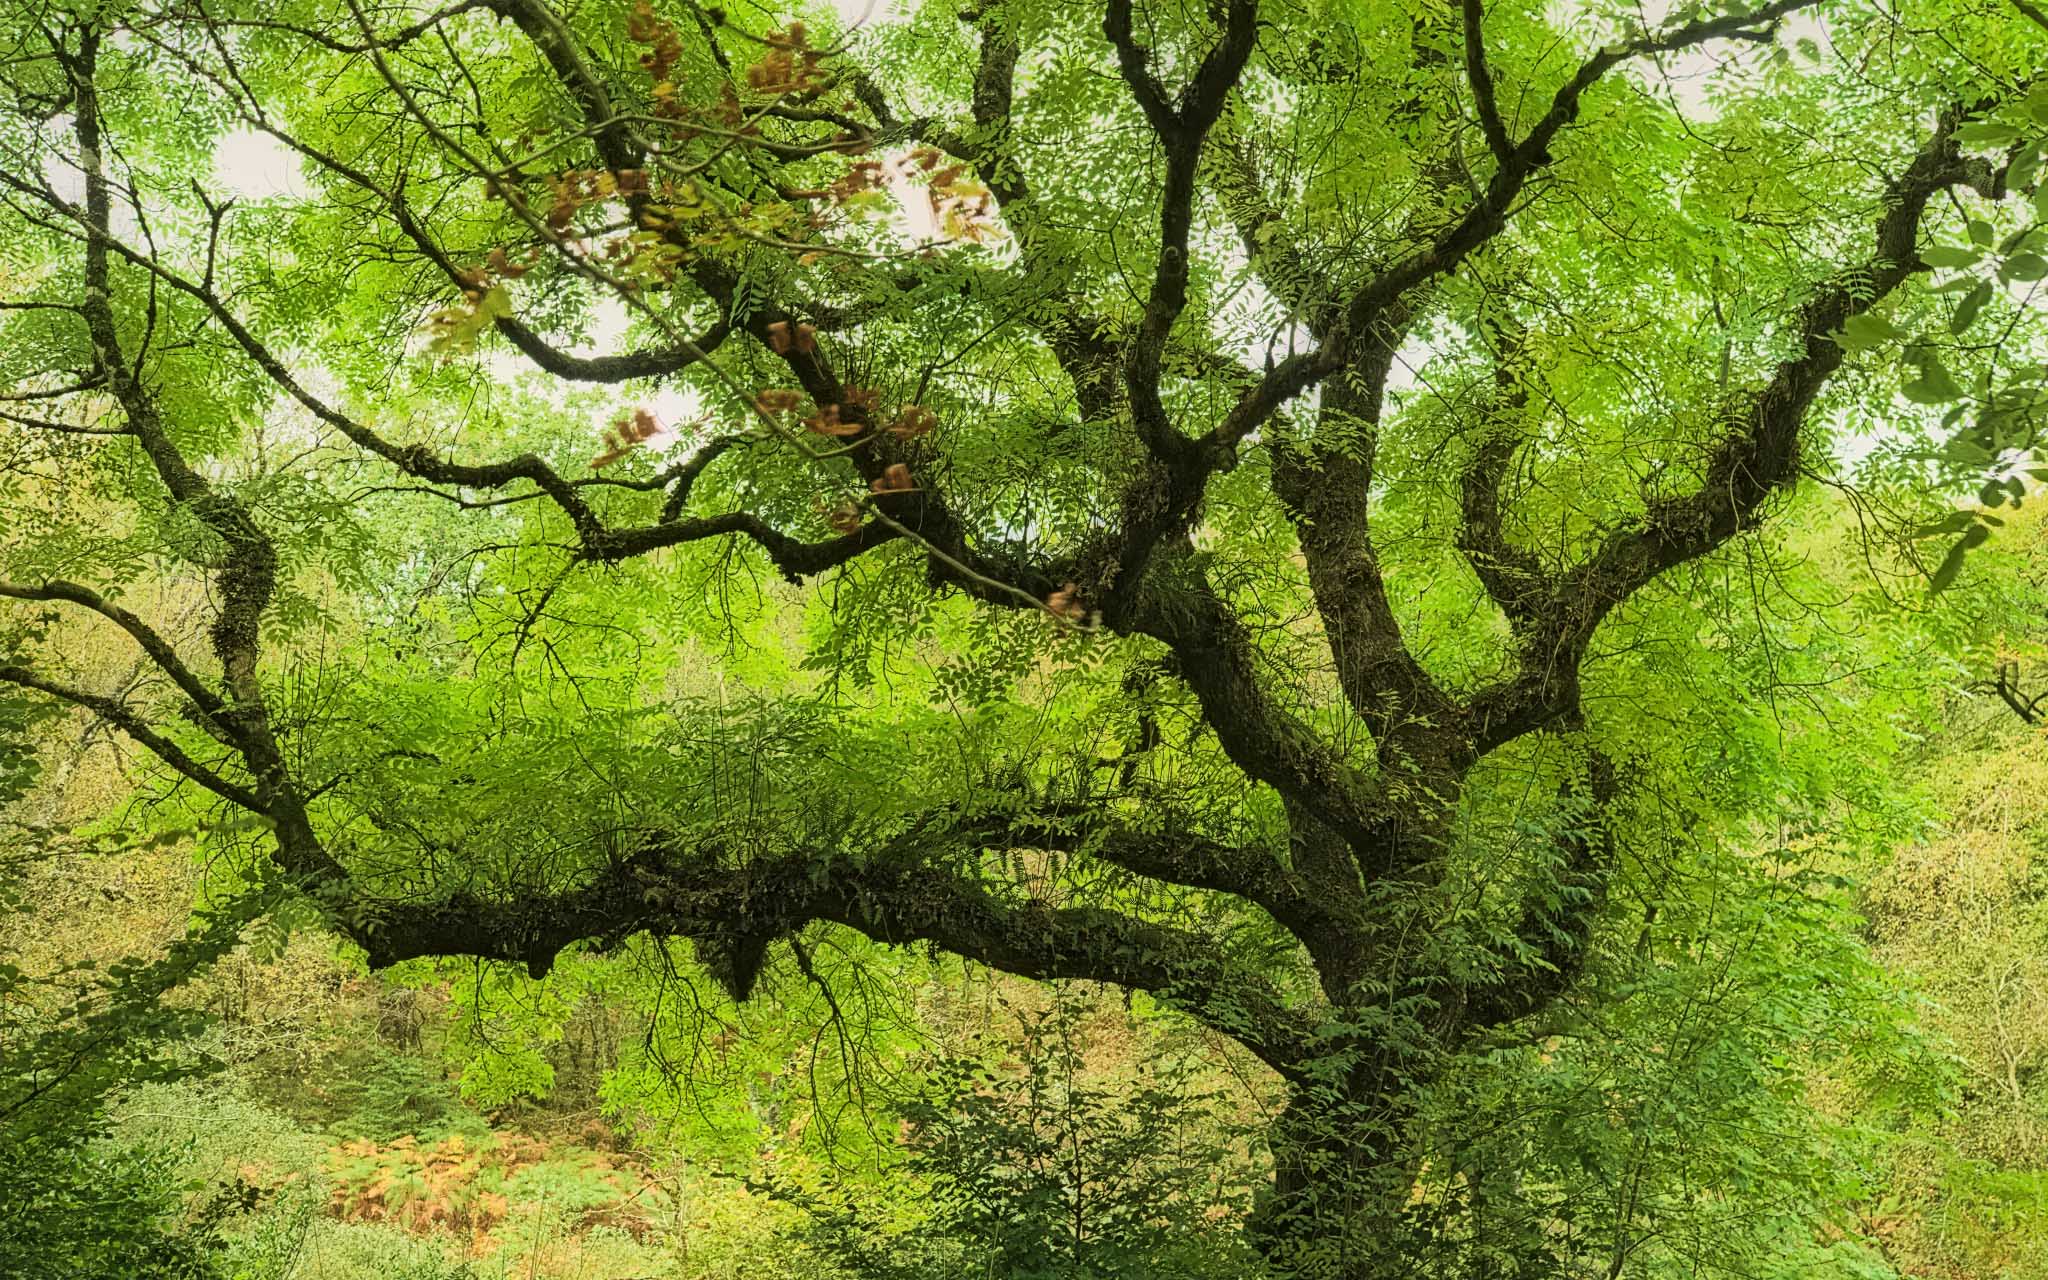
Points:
896	479
827	422
914	421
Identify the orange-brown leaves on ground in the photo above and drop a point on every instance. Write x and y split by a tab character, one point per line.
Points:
626	434
452	1188
895	479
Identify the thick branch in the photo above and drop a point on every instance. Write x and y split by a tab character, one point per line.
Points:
793	557
1182	128
1511	575
1555	930
732	914
1326	485
1481	79
1215	656
1756	460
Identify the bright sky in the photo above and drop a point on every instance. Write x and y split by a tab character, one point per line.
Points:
256	166
869	12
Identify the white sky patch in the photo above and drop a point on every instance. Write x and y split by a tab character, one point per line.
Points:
872	13
255	166
608	320
917	222
67	180
679	410
59	170
1405	374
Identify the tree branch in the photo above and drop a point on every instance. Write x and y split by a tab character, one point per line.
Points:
122	717
1481	80
1182	128
159	650
1756	460
897	896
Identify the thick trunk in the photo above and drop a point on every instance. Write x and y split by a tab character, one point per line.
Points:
1342	1177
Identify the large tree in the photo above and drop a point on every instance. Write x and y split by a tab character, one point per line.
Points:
1249	418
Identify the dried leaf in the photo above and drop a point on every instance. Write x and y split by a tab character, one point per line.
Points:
896	479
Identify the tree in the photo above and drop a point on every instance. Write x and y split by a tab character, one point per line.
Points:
1209	341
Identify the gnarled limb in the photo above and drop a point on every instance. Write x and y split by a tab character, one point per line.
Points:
901	895
1756	460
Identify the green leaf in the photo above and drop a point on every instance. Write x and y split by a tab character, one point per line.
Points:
1862	332
1944	575
2024	166
2024	266
1953	522
1934	385
1966	310
1950	257
1987	133
495	304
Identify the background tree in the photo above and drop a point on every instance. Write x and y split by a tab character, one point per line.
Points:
1277	433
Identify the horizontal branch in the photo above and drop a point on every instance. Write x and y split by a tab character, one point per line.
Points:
794	558
732	913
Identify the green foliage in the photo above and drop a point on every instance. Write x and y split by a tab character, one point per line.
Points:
563	699
75	1209
379	1095
70	1040
1030	1168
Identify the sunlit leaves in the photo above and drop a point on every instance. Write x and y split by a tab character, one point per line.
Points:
1951	257
1865	330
